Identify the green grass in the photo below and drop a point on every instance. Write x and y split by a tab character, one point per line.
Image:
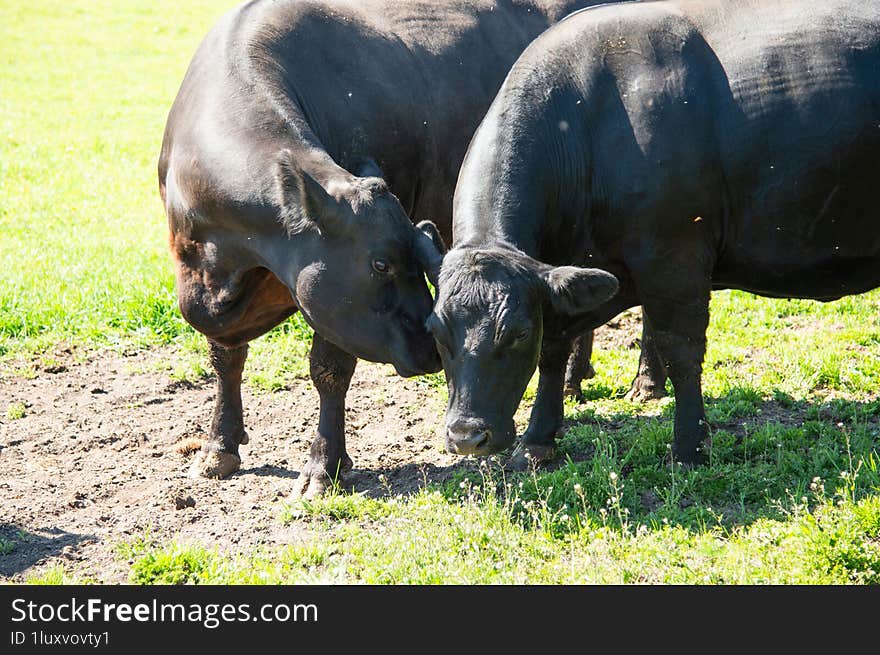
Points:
83	253
56	575
6	546
15	411
790	492
487	537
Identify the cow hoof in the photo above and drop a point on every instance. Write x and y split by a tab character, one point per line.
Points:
689	460
308	487
314	482
213	464
528	456
640	393
572	391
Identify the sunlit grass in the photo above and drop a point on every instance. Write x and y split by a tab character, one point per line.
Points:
15	411
488	538
83	238
56	574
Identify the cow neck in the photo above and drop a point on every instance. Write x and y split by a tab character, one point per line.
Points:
525	192
497	206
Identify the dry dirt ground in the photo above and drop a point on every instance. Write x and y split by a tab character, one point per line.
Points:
96	460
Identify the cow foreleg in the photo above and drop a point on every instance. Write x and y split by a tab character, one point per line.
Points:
218	456
679	330
579	366
538	443
331	370
650	383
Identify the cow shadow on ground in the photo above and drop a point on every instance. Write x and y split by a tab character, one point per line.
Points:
21	549
406	479
764	456
268	470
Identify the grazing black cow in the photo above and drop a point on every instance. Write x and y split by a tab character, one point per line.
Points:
682	146
304	139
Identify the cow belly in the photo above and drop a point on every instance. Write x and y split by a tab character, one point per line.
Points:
813	236
829	279
259	302
830	251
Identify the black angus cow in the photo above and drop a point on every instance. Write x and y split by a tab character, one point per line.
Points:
304	139
682	146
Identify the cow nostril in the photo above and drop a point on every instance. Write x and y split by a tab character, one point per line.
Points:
482	439
469	443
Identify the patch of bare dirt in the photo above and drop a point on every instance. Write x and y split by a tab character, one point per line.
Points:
101	455
624	331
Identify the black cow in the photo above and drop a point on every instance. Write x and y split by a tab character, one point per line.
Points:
682	146
304	138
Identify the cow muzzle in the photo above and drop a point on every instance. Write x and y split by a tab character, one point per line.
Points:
469	437
417	353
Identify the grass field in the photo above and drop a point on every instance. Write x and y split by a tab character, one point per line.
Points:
791	493
83	245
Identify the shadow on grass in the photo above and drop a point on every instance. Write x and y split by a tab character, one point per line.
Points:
21	549
765	457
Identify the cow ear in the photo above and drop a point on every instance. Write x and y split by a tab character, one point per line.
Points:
429	250
305	204
574	290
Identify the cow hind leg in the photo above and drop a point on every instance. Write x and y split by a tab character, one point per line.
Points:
219	456
579	367
650	382
331	370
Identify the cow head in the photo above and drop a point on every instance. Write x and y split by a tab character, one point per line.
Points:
359	264
488	322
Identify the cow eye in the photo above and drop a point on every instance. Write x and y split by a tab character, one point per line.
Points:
522	335
380	266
